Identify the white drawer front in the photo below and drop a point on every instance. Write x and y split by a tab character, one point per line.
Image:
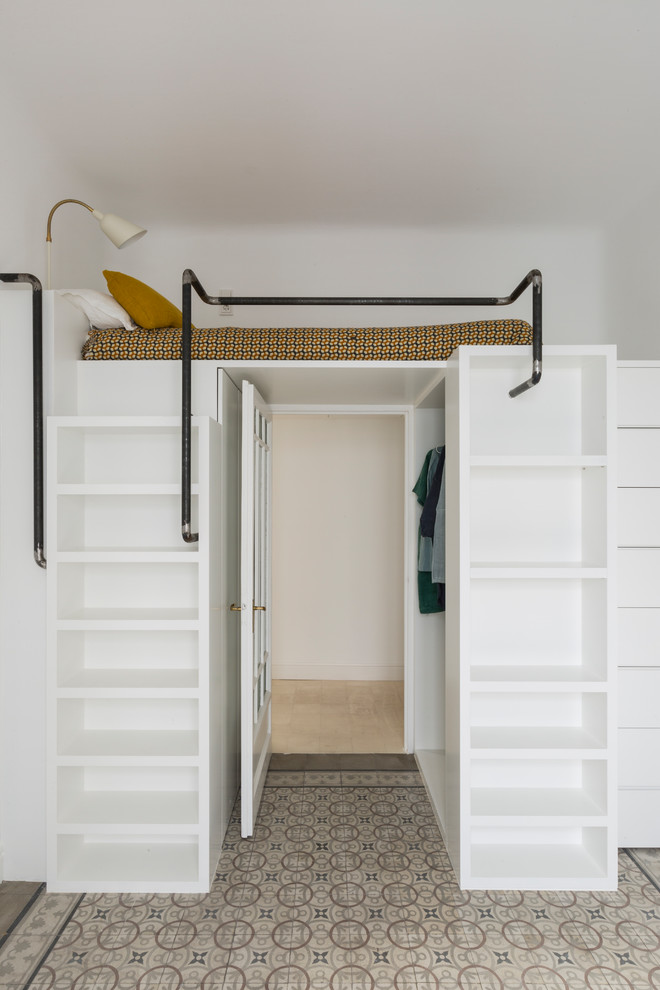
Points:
639	818
639	458
638	396
638	578
638	517
639	699
639	637
639	758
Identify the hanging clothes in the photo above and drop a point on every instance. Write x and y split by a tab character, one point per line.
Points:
429	490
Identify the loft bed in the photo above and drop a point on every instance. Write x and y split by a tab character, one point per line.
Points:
409	343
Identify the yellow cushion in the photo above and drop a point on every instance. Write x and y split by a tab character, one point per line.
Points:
145	306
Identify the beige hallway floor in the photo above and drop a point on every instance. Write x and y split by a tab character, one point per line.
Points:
337	716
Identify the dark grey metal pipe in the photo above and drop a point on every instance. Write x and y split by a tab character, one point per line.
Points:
536	280
186	413
37	410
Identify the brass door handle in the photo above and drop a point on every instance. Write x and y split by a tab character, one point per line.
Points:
235	608
259	608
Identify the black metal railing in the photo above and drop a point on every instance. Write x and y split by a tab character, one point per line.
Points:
37	411
190	281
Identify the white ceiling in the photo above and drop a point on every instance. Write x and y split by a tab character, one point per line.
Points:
346	111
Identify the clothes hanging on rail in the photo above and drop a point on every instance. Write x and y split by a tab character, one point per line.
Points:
429	490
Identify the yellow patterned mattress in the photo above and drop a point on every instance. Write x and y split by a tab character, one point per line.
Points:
425	343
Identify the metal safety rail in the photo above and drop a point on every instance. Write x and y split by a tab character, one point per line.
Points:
37	411
190	281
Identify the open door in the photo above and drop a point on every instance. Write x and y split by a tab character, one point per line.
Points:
256	437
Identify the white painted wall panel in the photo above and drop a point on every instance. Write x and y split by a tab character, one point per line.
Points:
639	813
639	637
639	765
638	390
638	698
639	458
338	528
638	517
638	577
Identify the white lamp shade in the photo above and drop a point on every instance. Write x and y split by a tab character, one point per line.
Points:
121	232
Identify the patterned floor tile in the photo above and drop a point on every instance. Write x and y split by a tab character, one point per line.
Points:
21	954
346	884
46	917
322	778
285	778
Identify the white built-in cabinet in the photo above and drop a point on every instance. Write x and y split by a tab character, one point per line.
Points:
639	602
522	775
530	723
135	783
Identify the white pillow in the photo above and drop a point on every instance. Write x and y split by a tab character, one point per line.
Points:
101	309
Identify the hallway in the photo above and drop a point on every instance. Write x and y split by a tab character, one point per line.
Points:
345	886
337	716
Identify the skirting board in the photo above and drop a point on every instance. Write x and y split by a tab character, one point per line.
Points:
336	672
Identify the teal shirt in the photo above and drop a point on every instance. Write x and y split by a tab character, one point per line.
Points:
426	589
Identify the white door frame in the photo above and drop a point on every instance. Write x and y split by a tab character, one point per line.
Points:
409	523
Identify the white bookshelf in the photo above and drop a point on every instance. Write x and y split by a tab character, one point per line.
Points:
130	666
530	743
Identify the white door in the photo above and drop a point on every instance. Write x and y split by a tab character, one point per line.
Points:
255	602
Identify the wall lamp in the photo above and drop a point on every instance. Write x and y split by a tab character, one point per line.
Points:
121	232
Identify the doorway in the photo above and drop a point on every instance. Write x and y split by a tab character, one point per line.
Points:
338	559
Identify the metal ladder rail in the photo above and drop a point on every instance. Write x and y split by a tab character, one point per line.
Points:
37	411
190	281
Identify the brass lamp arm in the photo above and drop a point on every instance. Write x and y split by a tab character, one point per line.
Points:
50	215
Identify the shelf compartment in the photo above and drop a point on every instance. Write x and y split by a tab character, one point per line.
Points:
101	590
122	522
535	742
127	862
565	417
123	659
563	571
542	718
132	796
538	460
538	788
537	515
127	727
517	632
132	619
163	744
539	858
117	454
496	677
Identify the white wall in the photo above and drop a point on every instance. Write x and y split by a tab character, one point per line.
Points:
632	263
33	179
338	533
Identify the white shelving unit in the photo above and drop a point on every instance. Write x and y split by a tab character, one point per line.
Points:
639	602
134	766
530	729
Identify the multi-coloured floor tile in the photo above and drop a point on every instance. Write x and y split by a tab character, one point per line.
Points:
345	885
